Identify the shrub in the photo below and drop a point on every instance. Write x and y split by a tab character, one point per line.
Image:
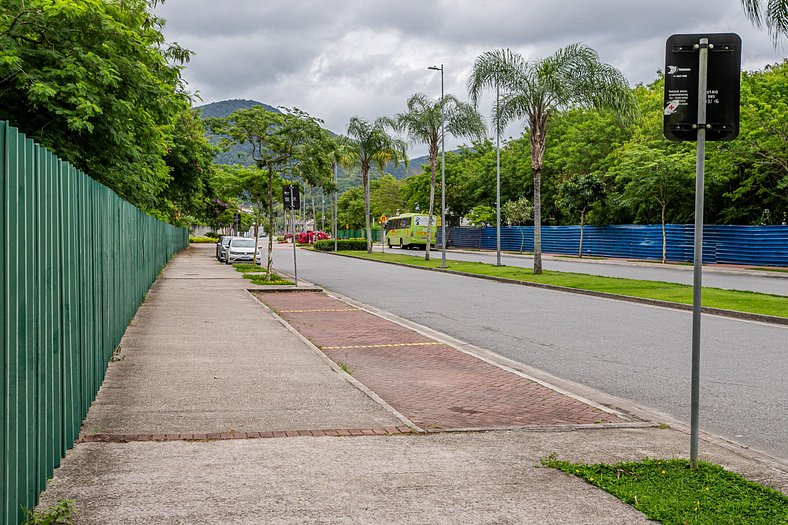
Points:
212	235
327	245
202	240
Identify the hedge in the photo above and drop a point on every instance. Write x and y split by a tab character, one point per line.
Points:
202	240
327	245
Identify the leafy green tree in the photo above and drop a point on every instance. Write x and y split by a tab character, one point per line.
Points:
650	176
386	196
190	162
750	174
518	212
350	209
422	123
481	215
95	81
572	77
290	143
371	145
578	194
771	13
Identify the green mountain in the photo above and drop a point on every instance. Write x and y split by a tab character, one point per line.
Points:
241	154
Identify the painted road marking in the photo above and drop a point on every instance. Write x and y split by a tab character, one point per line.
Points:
319	310
389	345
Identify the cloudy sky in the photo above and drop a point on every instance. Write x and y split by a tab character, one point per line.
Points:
340	58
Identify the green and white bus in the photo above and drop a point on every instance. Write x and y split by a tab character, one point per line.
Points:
410	229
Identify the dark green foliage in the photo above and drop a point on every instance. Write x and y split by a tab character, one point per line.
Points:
95	82
327	245
61	513
670	492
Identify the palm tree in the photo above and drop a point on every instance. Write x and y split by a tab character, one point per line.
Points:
422	123
370	145
775	16
572	77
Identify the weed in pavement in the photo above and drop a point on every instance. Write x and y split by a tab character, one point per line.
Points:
61	513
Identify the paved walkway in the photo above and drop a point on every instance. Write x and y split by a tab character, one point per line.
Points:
205	372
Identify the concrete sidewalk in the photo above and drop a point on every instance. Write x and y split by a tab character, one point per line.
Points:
206	373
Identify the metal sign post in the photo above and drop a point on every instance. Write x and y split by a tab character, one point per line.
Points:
292	199
717	114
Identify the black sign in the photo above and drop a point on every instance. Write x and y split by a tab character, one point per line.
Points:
292	197
722	90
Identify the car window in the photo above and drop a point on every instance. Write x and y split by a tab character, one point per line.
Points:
242	243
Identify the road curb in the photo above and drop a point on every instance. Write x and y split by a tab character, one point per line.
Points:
605	295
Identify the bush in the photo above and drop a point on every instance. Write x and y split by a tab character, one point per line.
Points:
202	240
342	244
212	235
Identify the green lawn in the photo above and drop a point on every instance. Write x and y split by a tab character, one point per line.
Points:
669	492
256	274
750	302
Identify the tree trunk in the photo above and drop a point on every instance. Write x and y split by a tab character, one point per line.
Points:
365	183
271	225
582	220
664	238
537	139
433	162
256	239
314	213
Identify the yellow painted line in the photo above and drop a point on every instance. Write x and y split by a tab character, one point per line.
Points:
319	310
389	345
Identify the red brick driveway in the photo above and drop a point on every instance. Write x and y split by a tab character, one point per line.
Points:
434	385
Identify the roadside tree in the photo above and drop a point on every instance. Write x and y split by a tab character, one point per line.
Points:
577	194
289	143
572	77
518	213
422	123
371	145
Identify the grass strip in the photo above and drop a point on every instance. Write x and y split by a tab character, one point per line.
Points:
669	492
258	278
249	268
769	269
740	301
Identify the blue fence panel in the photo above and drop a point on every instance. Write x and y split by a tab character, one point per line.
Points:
731	244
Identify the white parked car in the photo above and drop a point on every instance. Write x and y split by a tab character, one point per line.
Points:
240	249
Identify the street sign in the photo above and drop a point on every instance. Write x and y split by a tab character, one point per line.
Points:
292	197
722	90
383	219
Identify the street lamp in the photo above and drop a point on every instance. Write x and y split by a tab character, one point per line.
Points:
497	175
443	174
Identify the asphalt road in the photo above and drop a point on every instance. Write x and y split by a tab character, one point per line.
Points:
714	277
632	351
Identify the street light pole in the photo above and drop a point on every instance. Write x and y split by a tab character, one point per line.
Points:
335	208
443	173
497	178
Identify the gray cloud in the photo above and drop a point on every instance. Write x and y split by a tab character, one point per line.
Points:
342	58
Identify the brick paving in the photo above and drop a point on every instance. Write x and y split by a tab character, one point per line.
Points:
434	385
216	436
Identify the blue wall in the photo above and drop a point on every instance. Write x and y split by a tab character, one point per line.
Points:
752	245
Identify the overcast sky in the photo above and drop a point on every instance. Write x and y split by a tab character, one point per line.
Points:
339	58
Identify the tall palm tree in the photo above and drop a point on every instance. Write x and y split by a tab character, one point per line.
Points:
572	77
774	16
422	123
371	145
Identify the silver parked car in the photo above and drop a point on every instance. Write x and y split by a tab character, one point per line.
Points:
239	249
221	246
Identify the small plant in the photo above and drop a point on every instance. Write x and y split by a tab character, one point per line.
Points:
116	355
345	367
61	513
664	426
212	235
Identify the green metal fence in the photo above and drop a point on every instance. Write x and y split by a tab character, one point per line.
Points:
359	234
76	262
